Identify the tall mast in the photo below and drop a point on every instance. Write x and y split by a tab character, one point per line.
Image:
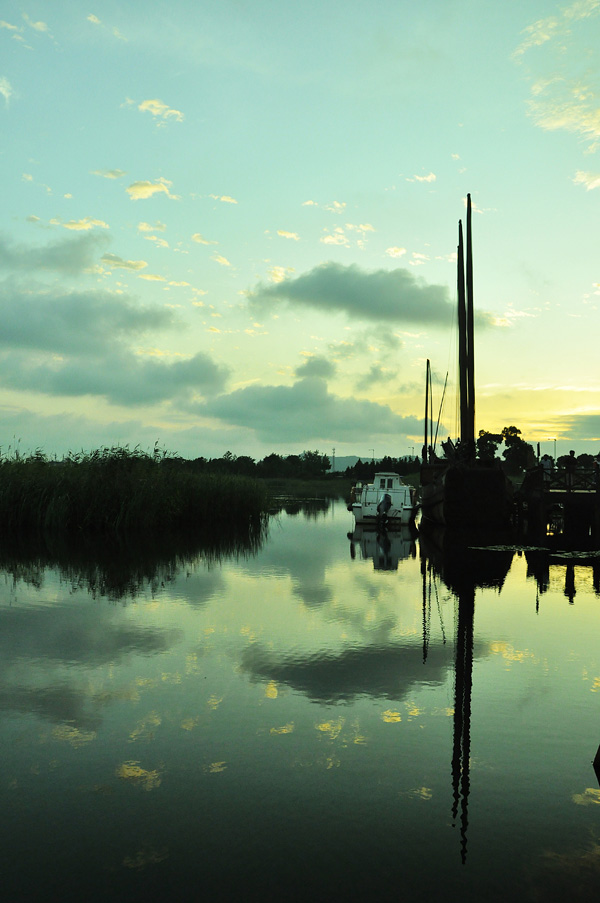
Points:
462	341
425	449
470	435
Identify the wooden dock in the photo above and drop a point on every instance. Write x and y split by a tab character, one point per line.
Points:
567	496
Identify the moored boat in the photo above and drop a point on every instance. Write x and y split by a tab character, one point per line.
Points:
387	500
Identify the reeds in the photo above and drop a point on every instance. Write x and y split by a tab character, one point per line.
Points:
114	491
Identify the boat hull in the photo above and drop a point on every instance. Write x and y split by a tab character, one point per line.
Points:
394	517
467	495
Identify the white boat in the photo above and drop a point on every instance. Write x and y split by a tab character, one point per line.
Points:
387	500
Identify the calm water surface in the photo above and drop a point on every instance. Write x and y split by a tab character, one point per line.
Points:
316	718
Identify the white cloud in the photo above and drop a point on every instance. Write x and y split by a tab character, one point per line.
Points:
5	89
148	227
395	252
199	239
278	274
116	262
109	173
225	198
218	258
338	237
556	56
81	225
431	177
336	206
591	180
37	26
143	190
160	110
292	235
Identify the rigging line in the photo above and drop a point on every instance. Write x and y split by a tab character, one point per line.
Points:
437	599
440	411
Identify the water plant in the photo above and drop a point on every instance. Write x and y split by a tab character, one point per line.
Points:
118	490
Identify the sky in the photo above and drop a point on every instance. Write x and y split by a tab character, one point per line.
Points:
232	226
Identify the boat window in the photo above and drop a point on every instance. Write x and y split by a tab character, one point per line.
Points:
390	482
382	484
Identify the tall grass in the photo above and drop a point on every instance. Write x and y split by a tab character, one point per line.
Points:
113	491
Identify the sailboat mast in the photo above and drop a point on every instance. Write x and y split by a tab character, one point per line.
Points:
462	341
470	333
427	378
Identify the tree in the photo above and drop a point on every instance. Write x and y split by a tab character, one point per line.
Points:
487	445
519	454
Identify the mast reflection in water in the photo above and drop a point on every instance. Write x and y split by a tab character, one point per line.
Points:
451	557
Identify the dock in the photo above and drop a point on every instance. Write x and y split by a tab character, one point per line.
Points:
564	496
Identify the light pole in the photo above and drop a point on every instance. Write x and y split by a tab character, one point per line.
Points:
372	450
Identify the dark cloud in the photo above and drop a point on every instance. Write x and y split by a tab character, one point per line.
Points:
66	255
320	367
376	374
121	377
392	295
307	412
581	426
81	322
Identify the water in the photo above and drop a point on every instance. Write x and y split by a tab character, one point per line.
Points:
310	718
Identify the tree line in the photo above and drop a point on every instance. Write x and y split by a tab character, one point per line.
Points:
520	455
307	465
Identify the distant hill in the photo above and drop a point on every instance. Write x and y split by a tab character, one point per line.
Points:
342	462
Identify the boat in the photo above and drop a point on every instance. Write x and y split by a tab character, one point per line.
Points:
459	490
386	501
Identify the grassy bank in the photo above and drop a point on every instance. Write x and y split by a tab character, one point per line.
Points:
115	490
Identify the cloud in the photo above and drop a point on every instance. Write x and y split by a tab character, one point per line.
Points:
591	180
149	227
307	412
139	191
37	26
394	296
81	225
109	173
582	427
197	237
320	367
376	374
161	110
116	262
430	177
218	258
555	55
337	237
5	89
72	322
119	375
292	235
395	252
68	255
225	198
